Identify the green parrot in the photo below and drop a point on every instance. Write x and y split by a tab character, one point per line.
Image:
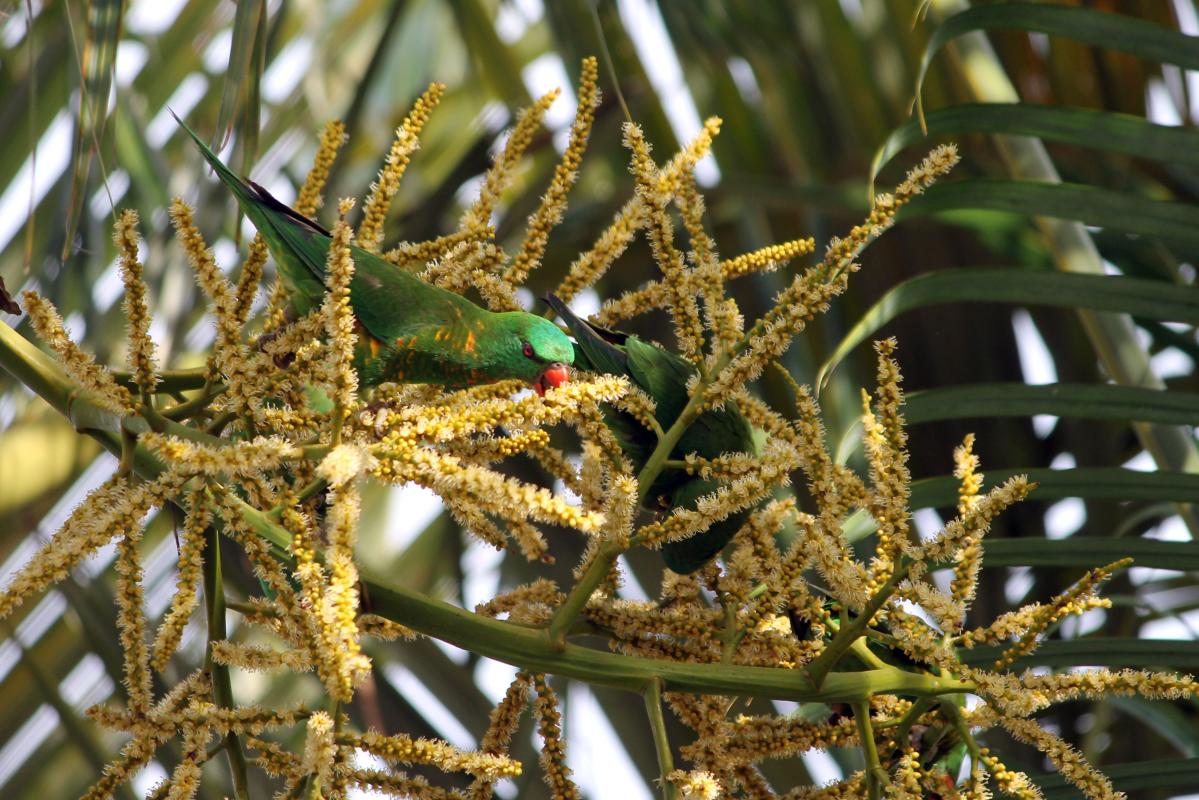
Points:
409	331
664	376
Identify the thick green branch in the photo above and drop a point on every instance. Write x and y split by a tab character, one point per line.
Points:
653	707
524	647
848	634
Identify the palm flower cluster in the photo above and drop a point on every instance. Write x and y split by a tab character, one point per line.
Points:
269	460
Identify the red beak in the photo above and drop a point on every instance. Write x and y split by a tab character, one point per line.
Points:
551	377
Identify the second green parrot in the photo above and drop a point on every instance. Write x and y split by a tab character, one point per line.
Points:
664	376
410	331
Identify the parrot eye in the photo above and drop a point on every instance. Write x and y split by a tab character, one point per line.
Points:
527	349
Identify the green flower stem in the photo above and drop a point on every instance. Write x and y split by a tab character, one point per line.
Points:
863	653
818	669
653	706
528	648
954	714
175	380
200	402
222	686
605	558
918	709
876	776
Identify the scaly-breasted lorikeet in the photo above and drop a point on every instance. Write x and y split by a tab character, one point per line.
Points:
664	376
410	331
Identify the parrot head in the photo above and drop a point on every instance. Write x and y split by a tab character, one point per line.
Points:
536	350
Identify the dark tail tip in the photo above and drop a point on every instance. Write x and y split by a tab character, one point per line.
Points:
553	301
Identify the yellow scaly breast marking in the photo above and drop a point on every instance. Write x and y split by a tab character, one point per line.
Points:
469	347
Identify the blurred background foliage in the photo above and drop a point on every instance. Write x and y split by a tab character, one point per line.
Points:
1018	344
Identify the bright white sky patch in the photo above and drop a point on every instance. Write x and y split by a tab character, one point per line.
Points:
481	572
148	17
182	101
1065	517
53	154
216	54
514	18
821	767
541	76
131	57
1036	363
429	706
287	69
411	508
12	33
107	197
602	767
643	21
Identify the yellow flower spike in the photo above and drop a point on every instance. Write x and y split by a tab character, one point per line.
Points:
767	259
109	510
591	266
190	563
402	749
137	314
258	658
1069	762
1098	683
553	202
81	367
553	748
1010	782
274	760
319	748
383	190
311	196
1066	603
419	254
249	279
977	519
384	629
230	357
497	178
968	558
131	621
721	315
683	308
260	454
339	316
185	780
807	296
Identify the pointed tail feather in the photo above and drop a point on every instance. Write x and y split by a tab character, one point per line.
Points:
246	195
600	353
